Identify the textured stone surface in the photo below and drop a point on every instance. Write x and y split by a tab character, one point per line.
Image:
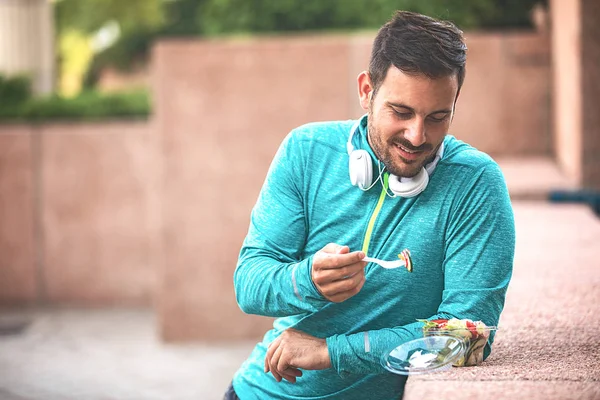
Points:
100	236
530	390
220	124
18	276
548	335
590	62
566	101
79	221
504	103
576	81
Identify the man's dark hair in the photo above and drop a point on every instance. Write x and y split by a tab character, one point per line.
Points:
418	44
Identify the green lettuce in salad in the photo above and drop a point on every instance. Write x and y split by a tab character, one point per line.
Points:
474	333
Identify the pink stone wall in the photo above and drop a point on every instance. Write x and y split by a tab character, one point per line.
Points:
590	63
79	219
98	236
18	276
576	80
222	109
566	77
503	108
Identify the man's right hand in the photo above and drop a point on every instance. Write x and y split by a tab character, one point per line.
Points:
337	273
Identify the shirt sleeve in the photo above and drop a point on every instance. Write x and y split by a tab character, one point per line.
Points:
480	244
271	278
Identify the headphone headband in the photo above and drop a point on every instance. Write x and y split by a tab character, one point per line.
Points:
355	127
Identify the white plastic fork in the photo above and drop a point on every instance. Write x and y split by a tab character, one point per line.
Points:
386	264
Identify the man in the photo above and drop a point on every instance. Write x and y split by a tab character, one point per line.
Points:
339	191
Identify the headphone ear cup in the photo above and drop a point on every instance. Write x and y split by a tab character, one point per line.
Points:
409	187
360	168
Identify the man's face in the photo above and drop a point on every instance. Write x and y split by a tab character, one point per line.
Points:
409	118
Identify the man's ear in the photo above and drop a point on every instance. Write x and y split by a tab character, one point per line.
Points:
365	90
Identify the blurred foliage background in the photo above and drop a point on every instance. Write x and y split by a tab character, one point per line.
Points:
137	23
94	36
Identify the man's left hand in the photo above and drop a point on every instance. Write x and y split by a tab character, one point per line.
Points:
294	350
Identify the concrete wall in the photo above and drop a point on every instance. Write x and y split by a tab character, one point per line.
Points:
576	80
222	108
505	102
18	275
566	50
590	62
78	214
504	105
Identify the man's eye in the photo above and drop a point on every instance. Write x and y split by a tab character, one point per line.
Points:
438	119
403	115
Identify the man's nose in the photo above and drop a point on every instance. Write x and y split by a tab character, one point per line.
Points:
415	132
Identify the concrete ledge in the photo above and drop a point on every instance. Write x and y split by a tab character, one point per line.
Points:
534	177
530	390
547	343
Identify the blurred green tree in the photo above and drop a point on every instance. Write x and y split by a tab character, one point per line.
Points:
141	21
90	15
136	21
226	16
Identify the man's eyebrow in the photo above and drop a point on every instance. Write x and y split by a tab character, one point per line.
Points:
400	105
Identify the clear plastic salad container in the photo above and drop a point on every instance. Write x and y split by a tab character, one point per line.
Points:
445	343
424	355
474	334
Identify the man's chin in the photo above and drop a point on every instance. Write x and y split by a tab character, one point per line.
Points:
406	172
406	168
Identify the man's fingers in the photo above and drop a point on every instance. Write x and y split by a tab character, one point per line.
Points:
276	375
324	276
339	296
288	373
274	364
266	364
343	250
283	367
334	248
291	374
349	284
283	363
270	351
334	261
273	361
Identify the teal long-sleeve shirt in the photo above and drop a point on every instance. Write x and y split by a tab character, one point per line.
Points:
460	232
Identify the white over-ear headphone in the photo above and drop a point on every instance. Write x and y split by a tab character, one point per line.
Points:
360	168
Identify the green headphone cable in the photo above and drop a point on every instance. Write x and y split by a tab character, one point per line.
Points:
382	196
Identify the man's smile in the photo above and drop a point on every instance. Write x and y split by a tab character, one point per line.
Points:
406	154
